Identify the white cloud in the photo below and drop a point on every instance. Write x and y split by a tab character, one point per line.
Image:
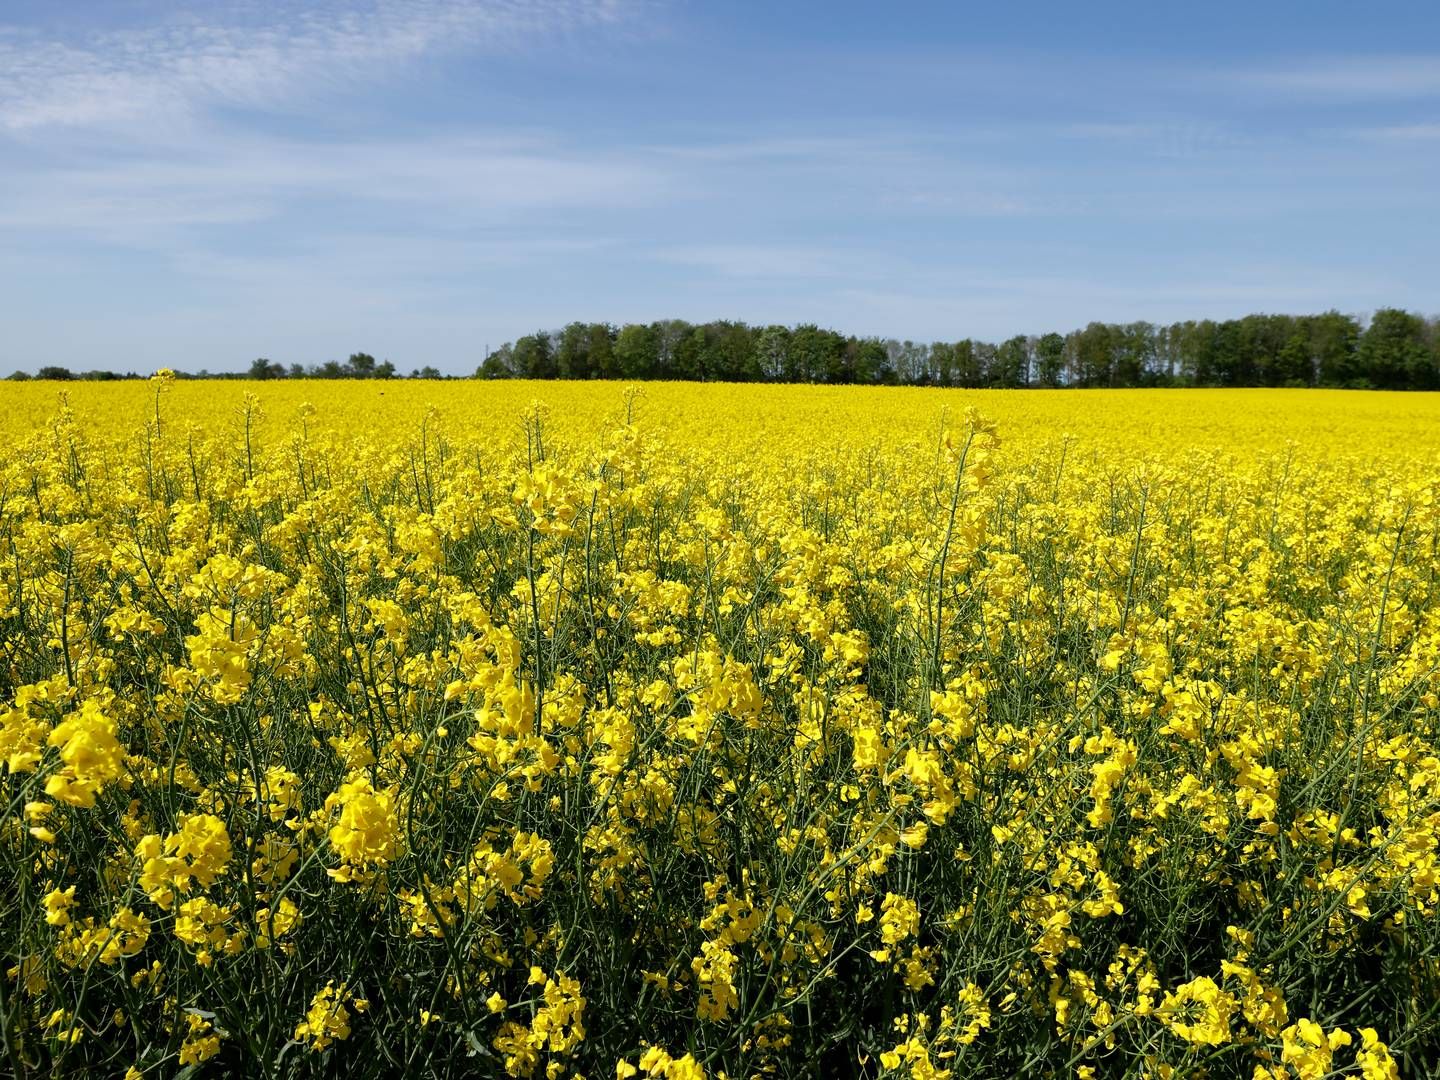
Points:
777	261
974	203
167	74
1345	78
804	148
229	180
1402	132
1181	139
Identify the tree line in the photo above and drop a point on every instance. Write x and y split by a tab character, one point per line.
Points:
358	366
1392	350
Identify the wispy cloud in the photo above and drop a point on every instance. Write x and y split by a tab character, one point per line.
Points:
168	73
951	201
132	138
1339	79
1180	139
1402	132
777	261
451	181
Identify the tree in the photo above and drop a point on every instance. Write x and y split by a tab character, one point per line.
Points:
1192	346
968	370
572	351
909	361
498	365
1334	339
1050	360
1393	353
668	335
1292	365
533	359
986	364
729	353
635	352
1259	343
61	374
265	369
360	366
872	363
1234	362
815	355
942	363
1095	354
1134	352
1011	363
688	360
602	351
772	352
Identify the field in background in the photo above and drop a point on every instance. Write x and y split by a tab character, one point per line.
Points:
550	729
1330	422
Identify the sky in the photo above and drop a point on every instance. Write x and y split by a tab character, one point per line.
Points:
195	185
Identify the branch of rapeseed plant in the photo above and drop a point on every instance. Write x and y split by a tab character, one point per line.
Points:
933	673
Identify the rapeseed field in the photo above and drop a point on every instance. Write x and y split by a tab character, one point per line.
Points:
583	730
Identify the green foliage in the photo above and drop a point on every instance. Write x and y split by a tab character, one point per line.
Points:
1396	350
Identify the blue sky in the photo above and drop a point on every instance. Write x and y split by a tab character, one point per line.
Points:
196	185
